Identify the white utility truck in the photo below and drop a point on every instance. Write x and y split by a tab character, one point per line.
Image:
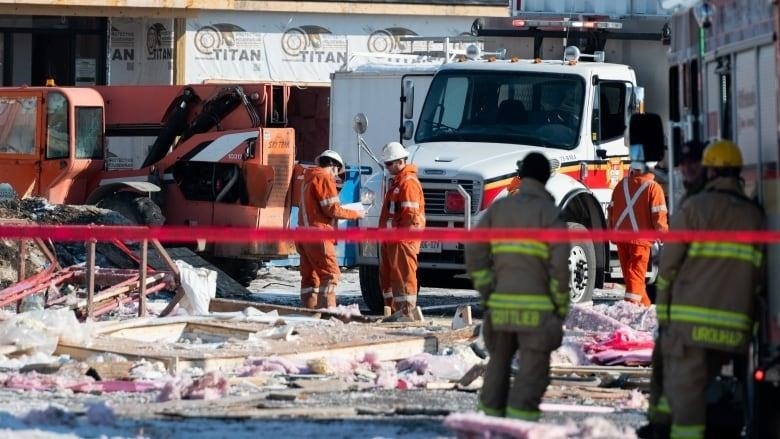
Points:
480	116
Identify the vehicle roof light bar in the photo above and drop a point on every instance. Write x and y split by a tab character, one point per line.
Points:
611	25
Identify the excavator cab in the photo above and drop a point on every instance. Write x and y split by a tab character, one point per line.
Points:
51	141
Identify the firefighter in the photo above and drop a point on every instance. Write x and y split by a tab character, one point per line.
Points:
707	290
638	203
319	207
403	207
524	286
658	412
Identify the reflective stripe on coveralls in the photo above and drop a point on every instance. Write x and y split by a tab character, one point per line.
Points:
630	201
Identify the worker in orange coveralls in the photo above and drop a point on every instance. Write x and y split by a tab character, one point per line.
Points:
320	208
638	203
514	185
403	207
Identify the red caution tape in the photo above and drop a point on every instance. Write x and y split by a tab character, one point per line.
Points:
235	235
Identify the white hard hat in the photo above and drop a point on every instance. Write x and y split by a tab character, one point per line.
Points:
331	154
394	151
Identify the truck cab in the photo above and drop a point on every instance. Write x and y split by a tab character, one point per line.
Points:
51	141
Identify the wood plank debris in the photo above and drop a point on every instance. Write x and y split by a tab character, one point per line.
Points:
226	345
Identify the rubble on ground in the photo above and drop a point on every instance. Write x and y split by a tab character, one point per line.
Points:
213	358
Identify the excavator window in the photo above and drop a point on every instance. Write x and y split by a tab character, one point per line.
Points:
57	139
89	132
18	117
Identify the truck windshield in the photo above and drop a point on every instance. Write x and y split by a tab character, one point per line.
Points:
539	109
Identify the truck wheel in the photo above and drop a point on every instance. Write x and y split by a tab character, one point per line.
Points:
136	208
582	266
369	288
243	271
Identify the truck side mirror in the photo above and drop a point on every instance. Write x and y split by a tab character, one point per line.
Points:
408	98
639	99
360	123
407	130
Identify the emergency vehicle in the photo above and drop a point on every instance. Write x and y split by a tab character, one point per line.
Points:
480	116
723	70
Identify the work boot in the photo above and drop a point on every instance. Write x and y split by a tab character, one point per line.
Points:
309	299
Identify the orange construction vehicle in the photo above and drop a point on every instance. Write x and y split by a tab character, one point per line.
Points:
214	160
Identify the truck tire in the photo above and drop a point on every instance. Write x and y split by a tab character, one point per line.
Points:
369	288
582	266
243	271
137	208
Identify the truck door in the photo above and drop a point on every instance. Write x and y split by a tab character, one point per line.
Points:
73	145
419	83
20	141
609	122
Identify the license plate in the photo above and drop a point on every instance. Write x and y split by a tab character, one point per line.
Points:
430	247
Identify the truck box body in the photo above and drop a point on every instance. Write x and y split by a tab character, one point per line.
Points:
609	8
374	90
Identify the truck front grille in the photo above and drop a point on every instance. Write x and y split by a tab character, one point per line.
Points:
435	192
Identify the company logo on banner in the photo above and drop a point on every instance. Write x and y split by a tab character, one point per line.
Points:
159	42
389	40
228	42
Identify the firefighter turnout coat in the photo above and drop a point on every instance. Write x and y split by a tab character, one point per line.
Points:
707	290
525	284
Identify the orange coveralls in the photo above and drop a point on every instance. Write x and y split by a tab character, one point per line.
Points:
403	207
319	207
638	203
514	185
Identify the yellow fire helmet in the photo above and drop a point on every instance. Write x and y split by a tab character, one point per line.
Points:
722	154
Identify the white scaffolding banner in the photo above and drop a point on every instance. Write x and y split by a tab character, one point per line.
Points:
300	48
140	51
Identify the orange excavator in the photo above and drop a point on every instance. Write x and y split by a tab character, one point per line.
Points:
215	160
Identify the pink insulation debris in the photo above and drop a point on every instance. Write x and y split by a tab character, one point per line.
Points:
618	333
624	346
36	381
211	385
253	366
109	386
447	367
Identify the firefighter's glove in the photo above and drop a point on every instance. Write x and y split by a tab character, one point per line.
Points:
483	281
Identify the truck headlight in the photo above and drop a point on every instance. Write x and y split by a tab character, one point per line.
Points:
369	249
